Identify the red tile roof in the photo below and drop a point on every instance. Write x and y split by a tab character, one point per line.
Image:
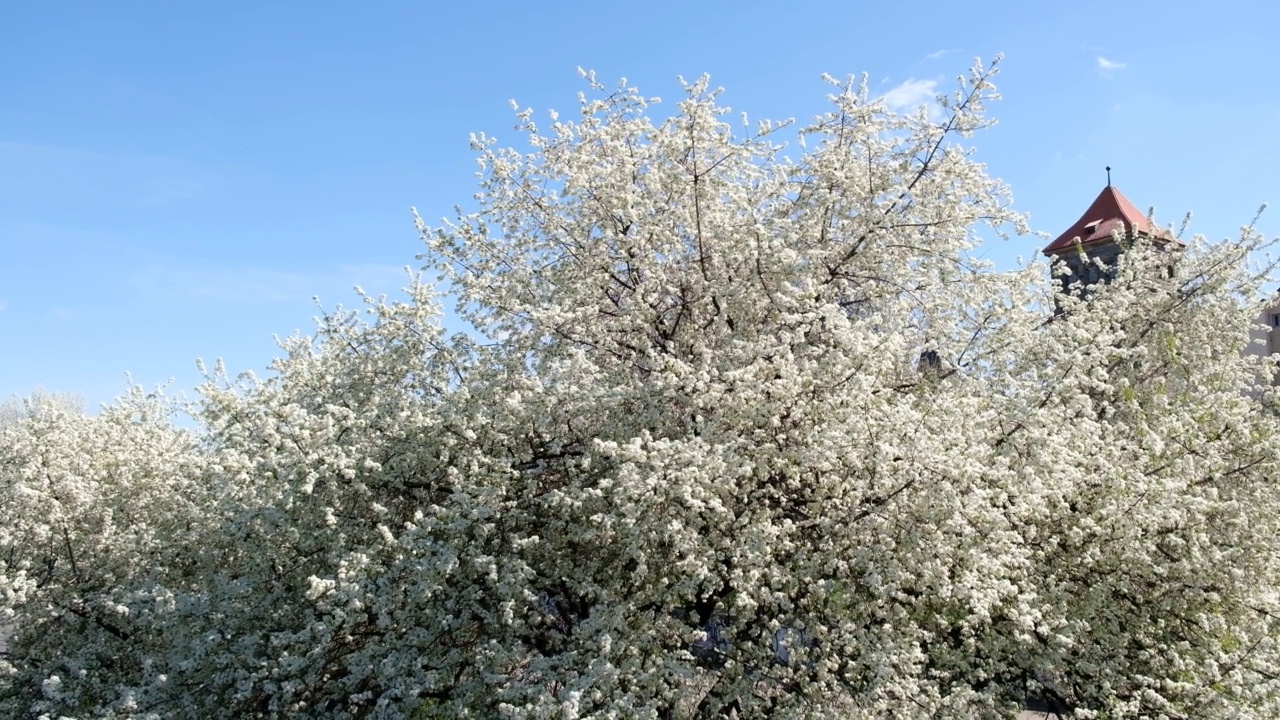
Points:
1110	211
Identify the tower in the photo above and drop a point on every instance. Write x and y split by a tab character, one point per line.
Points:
1091	247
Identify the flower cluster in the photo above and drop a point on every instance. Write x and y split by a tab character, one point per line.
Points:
736	435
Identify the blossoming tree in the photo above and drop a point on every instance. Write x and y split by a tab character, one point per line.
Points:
738	435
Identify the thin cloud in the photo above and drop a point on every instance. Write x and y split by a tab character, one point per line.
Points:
166	190
1107	66
241	285
910	95
937	54
85	175
3	305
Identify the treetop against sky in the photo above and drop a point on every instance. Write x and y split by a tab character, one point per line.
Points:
181	184
751	434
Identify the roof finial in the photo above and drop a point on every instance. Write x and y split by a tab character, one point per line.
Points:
1108	176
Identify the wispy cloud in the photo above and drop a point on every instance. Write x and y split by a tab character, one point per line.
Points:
83	176
3	305
937	54
166	190
1107	66
910	95
270	285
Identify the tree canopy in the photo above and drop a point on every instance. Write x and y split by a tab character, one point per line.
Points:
738	434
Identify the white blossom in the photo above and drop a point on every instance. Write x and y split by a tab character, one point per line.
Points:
693	463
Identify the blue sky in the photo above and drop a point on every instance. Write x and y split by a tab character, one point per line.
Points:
178	183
